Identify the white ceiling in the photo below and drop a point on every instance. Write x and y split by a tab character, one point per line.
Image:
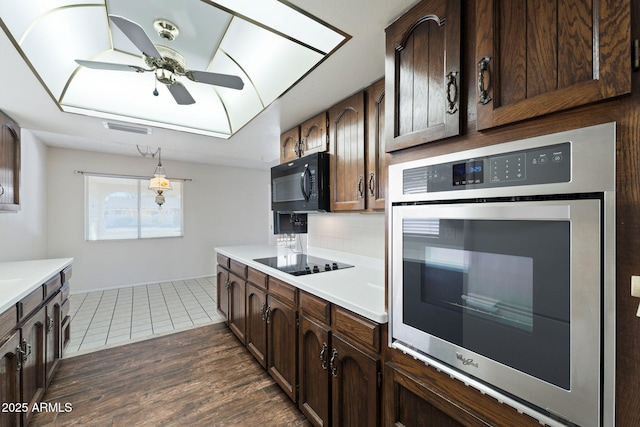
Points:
354	66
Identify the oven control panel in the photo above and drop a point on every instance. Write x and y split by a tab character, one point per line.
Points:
541	165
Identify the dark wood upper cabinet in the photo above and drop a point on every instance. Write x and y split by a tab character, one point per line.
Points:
377	157
347	148
9	164
289	145
314	137
422	72
538	57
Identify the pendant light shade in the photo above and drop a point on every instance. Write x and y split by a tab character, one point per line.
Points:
159	183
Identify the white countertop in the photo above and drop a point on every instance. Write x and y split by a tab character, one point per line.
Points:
359	289
19	278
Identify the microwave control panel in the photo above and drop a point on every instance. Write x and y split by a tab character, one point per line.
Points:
541	165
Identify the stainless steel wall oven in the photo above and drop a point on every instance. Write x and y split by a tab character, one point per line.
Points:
502	271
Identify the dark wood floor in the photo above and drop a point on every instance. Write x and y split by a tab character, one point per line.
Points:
201	377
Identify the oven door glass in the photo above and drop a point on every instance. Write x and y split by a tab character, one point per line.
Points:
496	279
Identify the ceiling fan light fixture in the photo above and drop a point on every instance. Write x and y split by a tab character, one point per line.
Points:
166	29
223	42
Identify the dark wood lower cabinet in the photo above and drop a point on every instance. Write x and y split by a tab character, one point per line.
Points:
282	344
256	329
335	379
314	377
222	292
10	366
32	334
413	404
237	315
355	385
53	329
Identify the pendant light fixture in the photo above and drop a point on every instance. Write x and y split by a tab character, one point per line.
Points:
159	183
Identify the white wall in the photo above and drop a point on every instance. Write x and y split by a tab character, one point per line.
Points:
23	234
222	206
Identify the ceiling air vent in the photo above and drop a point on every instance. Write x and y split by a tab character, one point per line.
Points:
127	128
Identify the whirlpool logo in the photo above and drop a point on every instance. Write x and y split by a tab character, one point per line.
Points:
466	361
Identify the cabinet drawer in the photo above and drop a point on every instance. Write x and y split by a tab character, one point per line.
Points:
8	321
64	309
238	268
29	303
284	291
315	307
257	278
65	274
360	330
51	286
64	292
223	261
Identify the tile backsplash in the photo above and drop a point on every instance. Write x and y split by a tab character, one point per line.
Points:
361	234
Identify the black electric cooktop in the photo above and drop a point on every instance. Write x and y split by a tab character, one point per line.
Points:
300	264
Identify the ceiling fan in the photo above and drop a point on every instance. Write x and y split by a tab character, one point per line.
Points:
165	62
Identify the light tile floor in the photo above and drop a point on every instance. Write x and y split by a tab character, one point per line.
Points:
120	316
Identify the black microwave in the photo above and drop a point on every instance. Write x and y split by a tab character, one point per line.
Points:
301	185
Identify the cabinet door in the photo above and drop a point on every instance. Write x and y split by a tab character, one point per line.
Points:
539	57
9	164
222	292
347	141
290	145
282	343
313	135
410	403
256	326
377	158
33	353
422	71
315	380
53	331
10	366
237	318
355	385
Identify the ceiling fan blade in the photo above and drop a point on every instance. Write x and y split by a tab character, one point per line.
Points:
136	34
110	66
225	80
180	94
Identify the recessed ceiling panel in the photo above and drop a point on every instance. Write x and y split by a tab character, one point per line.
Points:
246	55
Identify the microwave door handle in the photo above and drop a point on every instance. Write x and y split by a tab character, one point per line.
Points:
303	183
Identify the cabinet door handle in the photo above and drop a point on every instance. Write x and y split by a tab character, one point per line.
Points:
332	363
263	310
19	358
268	314
372	184
26	350
50	324
228	284
483	92
360	186
452	92
306	177
1	190
323	356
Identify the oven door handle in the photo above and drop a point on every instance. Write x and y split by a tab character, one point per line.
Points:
303	183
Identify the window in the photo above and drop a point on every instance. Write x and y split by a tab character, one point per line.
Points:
124	208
